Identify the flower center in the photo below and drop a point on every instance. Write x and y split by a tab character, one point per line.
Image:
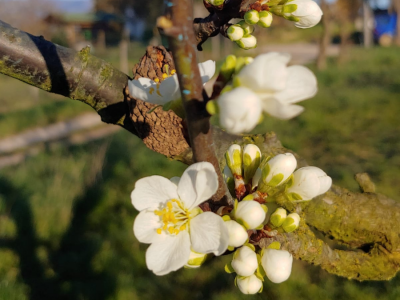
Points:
174	217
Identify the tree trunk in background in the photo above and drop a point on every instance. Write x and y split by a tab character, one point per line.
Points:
326	35
368	17
396	8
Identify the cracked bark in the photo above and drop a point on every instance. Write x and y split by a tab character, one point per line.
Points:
365	222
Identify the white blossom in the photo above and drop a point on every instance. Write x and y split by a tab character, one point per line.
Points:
239	110
249	285
279	87
306	14
167	90
171	221
307	183
277	264
245	261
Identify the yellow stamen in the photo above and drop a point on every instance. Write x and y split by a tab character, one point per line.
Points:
159	230
164	76
156	80
151	91
173	72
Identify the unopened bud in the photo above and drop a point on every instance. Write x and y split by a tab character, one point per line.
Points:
215	2
250	214
242	62
251	161
234	159
248	29
245	261
277	264
235	32
265	19
278	217
251	17
228	67
278	169
237	234
291	222
247	42
249	285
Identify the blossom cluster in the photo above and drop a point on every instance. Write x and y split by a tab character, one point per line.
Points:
304	14
181	234
261	85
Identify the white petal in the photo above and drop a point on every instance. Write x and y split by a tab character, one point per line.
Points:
324	180
305	183
209	234
152	191
301	84
279	110
175	180
207	70
268	72
136	90
170	254
145	226
169	89
240	110
198	183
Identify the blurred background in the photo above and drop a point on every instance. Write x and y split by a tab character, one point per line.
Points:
65	178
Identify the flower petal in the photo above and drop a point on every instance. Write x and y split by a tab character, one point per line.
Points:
209	234
278	110
198	183
137	90
152	191
301	84
145	226
169	89
207	70
170	254
267	73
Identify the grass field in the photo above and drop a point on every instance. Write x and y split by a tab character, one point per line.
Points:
66	218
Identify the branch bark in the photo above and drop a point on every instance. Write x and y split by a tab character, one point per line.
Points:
366	222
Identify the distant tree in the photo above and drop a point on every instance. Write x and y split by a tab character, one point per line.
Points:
395	6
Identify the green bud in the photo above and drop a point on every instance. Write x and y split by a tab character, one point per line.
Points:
278	217
247	42
240	64
212	107
291	223
235	32
234	159
228	67
251	17
215	2
248	29
265	19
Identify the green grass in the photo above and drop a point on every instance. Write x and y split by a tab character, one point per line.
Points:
66	217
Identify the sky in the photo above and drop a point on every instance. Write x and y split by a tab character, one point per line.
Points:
74	6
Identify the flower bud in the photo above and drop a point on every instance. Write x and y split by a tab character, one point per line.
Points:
248	29
242	62
239	111
237	234
247	42
251	161
228	67
278	169
265	19
251	17
307	183
215	2
195	260
234	159
245	261
278	217
277	264
291	222
249	285
305	13
235	32
250	214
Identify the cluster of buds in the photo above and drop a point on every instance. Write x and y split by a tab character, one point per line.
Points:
305	14
254	181
257	179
